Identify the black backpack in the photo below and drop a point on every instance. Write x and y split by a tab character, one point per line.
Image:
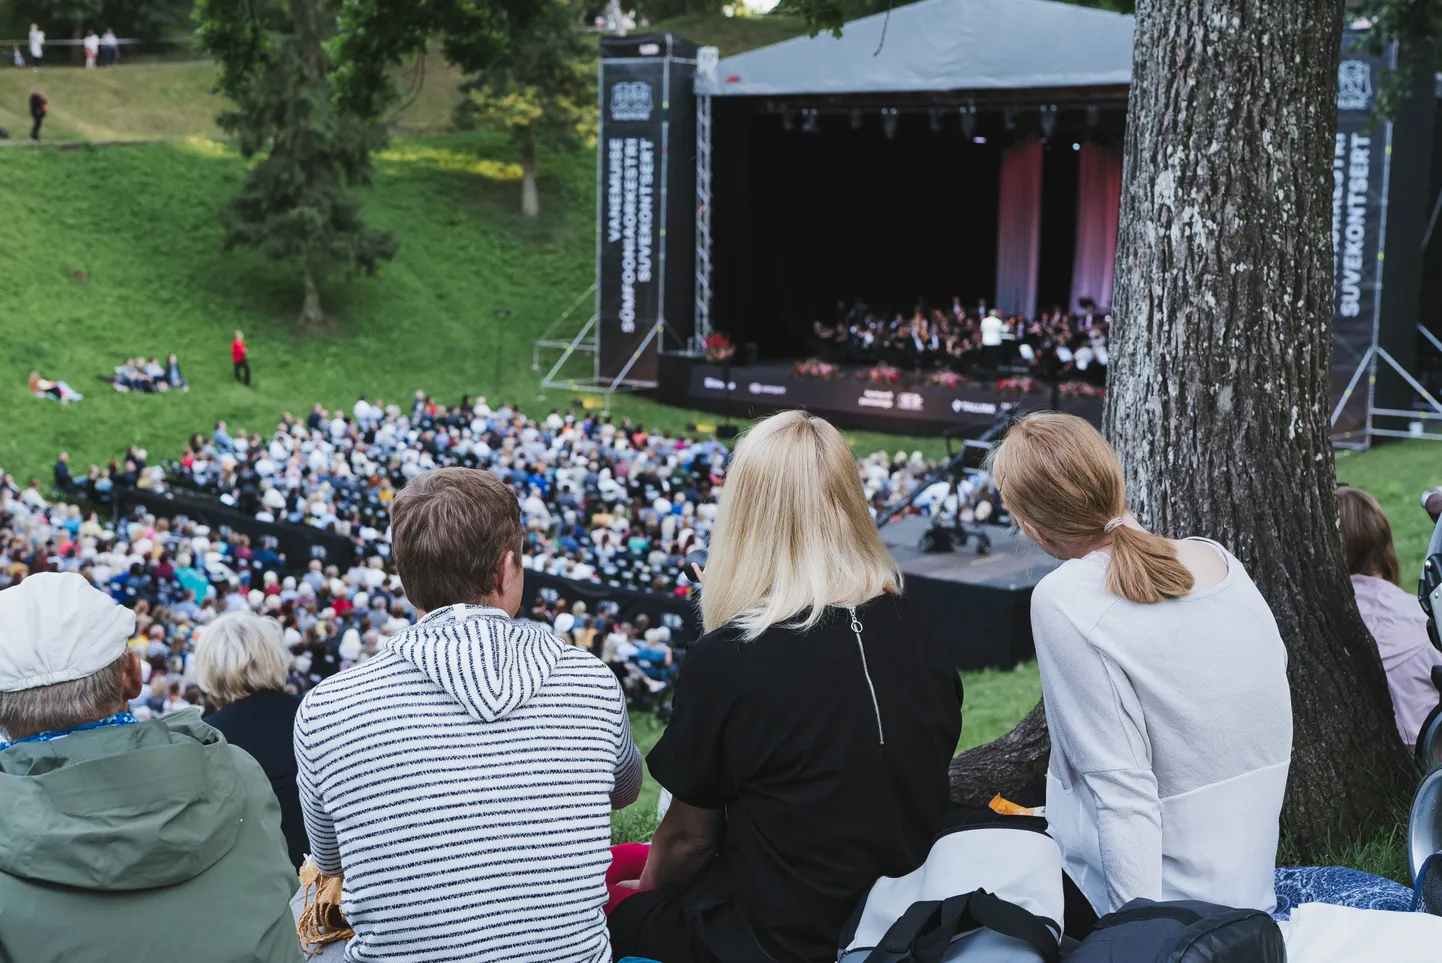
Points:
1185	931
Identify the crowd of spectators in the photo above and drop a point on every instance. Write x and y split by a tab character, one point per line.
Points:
1058	345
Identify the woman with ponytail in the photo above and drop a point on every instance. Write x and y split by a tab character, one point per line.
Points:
1165	682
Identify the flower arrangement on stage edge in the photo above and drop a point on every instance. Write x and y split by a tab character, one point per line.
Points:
1080	389
1017	386
816	368
945	378
882	374
719	348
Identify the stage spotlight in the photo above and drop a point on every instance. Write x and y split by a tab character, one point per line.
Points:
1048	121
1008	118
809	124
888	122
787	123
968	121
935	116
856	120
978	140
1094	115
1075	146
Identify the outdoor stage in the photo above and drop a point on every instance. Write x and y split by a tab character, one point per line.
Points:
908	407
986	599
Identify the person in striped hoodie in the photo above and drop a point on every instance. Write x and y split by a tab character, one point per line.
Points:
462	780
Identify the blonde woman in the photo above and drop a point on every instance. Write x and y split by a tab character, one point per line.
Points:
813	723
241	663
1165	682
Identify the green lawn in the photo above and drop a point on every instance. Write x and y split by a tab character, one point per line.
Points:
1396	475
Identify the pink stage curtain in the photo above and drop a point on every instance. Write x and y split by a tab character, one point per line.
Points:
1018	230
1098	207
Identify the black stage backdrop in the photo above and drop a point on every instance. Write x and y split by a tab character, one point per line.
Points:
802	220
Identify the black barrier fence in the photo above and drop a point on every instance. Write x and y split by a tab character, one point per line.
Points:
678	615
298	543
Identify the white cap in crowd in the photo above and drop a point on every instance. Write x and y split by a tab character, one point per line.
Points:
58	628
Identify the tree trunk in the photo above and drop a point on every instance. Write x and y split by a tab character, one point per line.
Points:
311	315
1011	765
1221	360
530	199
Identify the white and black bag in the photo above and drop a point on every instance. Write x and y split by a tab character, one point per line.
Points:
989	893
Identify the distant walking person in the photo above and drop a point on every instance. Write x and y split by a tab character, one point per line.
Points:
111	47
38	106
238	358
16	55
37	46
92	49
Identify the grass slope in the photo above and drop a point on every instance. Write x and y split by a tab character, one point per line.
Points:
142	223
164	101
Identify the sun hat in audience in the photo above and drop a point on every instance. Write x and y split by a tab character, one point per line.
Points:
58	628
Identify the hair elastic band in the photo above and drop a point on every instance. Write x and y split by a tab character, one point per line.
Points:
1112	525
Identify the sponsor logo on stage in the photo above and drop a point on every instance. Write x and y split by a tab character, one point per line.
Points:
716	384
877	399
1354	85
757	388
631	100
973	407
908	401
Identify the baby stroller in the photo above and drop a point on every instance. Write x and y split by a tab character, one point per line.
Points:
1424	827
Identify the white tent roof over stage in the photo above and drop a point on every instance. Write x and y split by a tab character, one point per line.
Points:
937	45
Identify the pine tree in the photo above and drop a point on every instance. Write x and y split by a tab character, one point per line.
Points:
543	88
296	203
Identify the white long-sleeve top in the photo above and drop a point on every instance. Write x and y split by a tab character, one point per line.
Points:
1171	733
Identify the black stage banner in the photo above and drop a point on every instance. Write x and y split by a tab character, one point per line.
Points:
1360	162
968	405
645	94
298	543
678	615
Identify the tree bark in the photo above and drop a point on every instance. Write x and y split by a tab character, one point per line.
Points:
1010	765
311	314
530	198
1221	359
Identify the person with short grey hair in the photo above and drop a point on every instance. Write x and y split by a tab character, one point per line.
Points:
241	663
109	823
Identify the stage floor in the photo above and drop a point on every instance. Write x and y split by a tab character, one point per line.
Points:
1014	563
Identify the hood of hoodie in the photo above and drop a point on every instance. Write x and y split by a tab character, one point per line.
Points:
487	662
128	807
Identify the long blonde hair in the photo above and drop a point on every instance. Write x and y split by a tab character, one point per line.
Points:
793	534
1058	475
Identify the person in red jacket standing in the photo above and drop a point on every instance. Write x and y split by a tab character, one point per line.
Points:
238	358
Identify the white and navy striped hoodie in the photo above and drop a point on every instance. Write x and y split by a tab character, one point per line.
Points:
463	782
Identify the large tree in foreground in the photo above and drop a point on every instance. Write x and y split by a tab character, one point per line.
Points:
1218	394
297	202
1217	397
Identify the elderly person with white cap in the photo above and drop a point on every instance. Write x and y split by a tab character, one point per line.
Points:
109	824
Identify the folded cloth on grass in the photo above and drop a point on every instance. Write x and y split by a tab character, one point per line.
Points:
1318	933
1338	886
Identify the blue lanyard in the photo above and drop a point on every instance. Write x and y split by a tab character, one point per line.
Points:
119	719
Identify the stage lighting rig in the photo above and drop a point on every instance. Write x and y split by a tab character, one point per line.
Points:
856	120
809	123
1048	121
1008	118
1094	115
968	121
888	122
787	122
934	116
